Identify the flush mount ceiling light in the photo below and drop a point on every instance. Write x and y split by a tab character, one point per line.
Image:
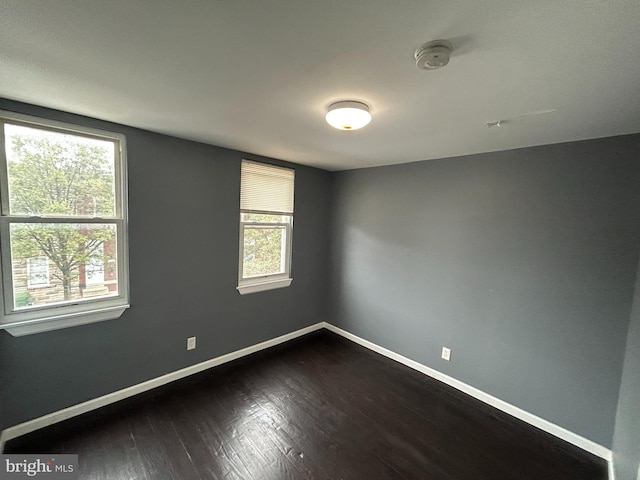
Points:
348	115
433	55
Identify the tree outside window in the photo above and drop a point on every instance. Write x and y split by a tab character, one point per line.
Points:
59	176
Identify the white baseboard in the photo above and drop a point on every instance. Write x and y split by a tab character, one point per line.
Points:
75	410
556	430
512	410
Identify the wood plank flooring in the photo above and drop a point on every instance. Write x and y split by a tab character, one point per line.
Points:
319	407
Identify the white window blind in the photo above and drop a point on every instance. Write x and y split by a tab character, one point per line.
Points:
266	189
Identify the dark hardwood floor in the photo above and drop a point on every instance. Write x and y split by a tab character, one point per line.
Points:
319	407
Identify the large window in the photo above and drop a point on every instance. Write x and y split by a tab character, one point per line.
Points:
63	224
266	223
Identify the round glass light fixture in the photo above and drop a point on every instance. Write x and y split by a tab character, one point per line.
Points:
348	115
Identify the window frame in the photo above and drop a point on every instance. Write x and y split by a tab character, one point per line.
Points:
259	283
43	318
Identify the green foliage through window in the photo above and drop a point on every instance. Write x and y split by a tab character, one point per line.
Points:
57	175
263	250
53	173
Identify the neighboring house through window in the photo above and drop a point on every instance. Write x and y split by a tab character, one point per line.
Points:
63	224
266	227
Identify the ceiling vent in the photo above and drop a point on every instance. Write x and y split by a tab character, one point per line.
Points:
433	55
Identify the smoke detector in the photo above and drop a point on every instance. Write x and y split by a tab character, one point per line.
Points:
433	54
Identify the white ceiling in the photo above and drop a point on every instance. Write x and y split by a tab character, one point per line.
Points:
258	75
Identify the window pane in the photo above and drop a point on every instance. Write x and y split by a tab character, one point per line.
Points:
264	251
58	263
53	173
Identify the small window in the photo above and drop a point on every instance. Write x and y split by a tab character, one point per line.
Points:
37	272
266	225
63	224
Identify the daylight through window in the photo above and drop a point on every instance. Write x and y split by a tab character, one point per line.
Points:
63	224
266	223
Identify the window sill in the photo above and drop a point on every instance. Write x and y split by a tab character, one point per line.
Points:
28	327
263	286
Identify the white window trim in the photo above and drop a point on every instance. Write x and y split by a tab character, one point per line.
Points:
45	318
274	281
266	282
55	322
263	286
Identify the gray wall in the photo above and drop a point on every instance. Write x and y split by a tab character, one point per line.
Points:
626	440
523	262
183	205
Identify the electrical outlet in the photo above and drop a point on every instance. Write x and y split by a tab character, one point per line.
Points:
446	354
191	343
